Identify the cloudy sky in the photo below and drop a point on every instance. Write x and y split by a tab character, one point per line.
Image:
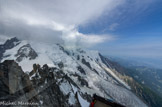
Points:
54	20
114	27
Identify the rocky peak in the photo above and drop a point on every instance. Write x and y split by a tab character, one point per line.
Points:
26	51
13	80
44	86
56	88
10	43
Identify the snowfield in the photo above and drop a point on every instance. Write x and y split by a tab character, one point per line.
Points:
85	67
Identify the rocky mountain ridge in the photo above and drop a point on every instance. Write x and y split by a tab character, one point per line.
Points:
74	74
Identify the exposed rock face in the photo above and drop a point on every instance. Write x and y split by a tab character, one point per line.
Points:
86	63
54	86
44	86
8	45
13	81
26	52
81	70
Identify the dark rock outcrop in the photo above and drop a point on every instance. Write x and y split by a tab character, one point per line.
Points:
8	45
43	86
86	63
81	70
26	51
13	81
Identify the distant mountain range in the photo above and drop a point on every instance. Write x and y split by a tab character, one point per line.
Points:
149	77
52	75
128	61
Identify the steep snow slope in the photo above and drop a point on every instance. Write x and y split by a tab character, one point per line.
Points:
84	67
26	63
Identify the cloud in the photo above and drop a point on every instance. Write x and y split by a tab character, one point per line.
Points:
53	20
113	26
56	20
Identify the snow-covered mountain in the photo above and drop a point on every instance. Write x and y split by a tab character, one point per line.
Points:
87	72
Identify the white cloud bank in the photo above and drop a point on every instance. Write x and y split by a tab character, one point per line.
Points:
55	20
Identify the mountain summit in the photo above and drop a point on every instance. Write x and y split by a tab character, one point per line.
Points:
59	75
